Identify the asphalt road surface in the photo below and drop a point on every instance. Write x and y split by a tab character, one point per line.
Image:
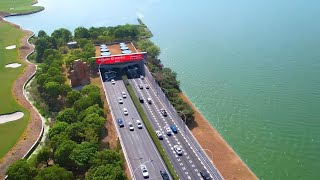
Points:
137	144
193	160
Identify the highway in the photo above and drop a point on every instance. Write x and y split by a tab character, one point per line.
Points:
194	159
137	145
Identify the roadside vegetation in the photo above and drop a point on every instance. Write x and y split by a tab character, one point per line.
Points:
11	131
19	6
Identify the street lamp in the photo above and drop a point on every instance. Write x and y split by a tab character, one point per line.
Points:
185	119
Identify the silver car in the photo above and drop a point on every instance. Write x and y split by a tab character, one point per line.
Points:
178	149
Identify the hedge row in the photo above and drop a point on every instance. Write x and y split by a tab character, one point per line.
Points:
150	129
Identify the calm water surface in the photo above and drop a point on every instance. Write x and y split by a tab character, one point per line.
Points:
252	68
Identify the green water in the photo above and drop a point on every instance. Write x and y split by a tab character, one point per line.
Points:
252	69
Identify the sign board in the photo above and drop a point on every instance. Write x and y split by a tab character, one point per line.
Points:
122	58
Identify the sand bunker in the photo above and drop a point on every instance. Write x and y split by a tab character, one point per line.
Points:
10	117
11	47
13	65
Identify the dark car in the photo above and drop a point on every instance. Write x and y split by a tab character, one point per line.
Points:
174	128
163	112
164	175
141	100
205	175
120	122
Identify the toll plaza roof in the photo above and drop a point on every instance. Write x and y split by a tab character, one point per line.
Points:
115	49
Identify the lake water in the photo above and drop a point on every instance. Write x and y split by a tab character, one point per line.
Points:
251	67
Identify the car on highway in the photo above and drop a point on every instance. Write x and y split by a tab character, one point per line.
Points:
139	124
149	100
141	77
131	128
146	86
144	171
113	81
178	149
120	122
164	175
163	112
140	86
141	99
124	95
174	128
159	134
168	131
125	111
205	175
120	100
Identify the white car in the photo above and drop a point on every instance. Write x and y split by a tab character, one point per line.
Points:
139	124
124	95
146	86
120	100
140	86
142	77
178	149
144	170
125	111
159	134
168	131
113	81
149	100
130	126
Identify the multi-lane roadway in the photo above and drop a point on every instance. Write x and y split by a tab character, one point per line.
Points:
193	160
137	144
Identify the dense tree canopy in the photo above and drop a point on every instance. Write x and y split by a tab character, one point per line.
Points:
21	170
53	173
106	172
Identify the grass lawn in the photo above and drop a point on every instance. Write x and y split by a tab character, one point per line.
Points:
18	6
10	132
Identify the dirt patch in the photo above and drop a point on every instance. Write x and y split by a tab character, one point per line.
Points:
225	159
34	127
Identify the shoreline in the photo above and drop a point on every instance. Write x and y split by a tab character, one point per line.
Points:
224	157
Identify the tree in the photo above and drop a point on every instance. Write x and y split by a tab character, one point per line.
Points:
62	36
153	51
21	170
68	115
106	157
61	155
58	128
95	121
76	132
106	172
81	32
40	46
54	172
52	89
42	34
82	154
90	110
44	155
73	96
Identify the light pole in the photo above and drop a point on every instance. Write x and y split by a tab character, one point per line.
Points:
185	120
138	167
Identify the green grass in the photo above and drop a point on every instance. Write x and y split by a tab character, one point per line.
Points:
150	130
19	6
10	132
